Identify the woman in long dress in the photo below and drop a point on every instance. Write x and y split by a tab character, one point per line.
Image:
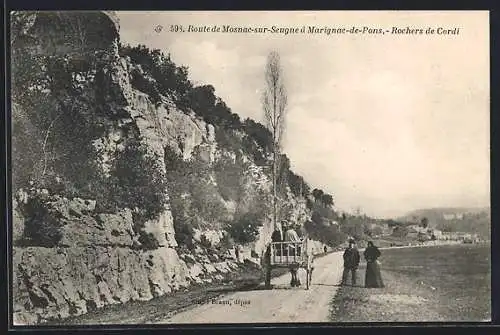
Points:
373	278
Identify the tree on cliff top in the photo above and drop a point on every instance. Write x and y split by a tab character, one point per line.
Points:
274	103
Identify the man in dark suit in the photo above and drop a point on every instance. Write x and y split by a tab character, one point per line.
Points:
276	235
351	263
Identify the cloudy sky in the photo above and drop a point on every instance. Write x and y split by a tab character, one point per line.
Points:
387	123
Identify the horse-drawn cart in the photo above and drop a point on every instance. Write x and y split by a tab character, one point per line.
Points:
292	255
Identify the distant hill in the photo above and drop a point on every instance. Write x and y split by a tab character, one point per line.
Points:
474	220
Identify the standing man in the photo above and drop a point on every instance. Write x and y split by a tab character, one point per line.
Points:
351	263
276	236
292	236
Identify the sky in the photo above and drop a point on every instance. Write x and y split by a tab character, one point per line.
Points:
385	123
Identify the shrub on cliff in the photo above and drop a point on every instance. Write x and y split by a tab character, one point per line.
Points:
193	193
141	83
204	102
148	241
41	228
298	185
323	212
194	198
228	174
52	134
136	181
227	242
249	217
259	133
228	139
244	228
170	79
330	235
184	233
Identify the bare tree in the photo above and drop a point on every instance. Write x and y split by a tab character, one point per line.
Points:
274	103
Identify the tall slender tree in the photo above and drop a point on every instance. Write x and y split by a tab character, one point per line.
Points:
274	103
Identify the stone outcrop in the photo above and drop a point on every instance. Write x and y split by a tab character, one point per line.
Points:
99	258
70	33
97	261
59	282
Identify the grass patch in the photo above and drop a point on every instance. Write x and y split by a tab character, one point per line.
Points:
445	283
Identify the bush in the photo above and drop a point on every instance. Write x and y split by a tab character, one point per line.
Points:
400	231
53	110
228	139
194	199
323	212
228	176
26	149
355	227
148	241
137	181
297	184
139	82
206	202
204	242
169	79
227	242
41	228
377	231
329	235
259	133
191	191
245	228
184	234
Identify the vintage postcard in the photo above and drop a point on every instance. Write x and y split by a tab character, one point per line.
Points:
239	167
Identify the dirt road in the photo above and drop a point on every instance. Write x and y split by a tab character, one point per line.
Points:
281	304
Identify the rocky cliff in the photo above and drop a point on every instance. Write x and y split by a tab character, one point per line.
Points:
81	129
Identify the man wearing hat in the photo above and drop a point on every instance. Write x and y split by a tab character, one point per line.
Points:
292	236
276	236
351	262
290	233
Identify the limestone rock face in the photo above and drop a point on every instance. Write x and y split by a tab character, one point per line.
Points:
102	230
98	261
100	258
160	125
71	207
211	236
59	282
